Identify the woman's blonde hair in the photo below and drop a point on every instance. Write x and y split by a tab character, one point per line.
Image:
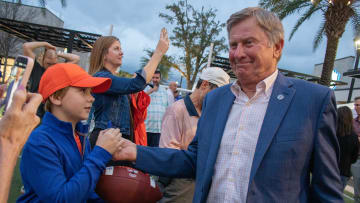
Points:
100	48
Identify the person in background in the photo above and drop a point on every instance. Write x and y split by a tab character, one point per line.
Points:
348	141
16	125
48	58
158	104
171	92
177	95
355	168
179	127
57	163
113	106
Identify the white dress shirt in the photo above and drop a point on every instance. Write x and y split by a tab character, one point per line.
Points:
236	153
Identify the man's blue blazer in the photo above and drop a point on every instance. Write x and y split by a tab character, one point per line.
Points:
296	157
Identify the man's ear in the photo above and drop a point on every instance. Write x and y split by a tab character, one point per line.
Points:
55	100
278	47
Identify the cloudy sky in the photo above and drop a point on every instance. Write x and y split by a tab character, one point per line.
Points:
137	24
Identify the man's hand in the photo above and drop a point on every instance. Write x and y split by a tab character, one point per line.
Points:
163	44
155	88
126	152
20	119
152	90
109	140
16	125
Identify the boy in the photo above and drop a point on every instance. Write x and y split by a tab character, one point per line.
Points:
57	164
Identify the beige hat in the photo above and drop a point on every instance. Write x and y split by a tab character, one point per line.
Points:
215	76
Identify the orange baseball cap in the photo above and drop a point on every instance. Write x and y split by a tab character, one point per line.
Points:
63	75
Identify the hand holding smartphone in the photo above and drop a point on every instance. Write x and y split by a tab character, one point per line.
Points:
20	74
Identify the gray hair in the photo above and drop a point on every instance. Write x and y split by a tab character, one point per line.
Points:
268	22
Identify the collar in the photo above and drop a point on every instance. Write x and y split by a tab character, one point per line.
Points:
64	127
265	85
190	106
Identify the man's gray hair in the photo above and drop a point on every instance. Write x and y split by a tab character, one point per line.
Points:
268	22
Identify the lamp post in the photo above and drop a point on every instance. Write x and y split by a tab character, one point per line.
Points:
357	47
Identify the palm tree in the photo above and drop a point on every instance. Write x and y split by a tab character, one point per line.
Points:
336	14
164	66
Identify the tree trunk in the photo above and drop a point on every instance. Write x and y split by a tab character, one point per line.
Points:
328	66
189	84
337	15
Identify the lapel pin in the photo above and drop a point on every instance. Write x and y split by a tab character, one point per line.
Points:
280	97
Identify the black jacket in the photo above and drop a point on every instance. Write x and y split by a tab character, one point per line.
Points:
349	148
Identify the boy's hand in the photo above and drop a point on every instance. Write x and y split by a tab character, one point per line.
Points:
109	140
126	152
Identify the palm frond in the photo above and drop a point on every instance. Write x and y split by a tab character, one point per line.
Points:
319	36
355	21
303	18
284	8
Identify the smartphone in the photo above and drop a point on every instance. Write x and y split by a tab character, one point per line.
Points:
20	74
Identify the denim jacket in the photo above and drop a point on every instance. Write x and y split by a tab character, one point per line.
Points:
113	105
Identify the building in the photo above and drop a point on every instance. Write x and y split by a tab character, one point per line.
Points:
23	14
340	66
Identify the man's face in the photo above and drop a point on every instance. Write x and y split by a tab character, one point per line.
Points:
205	88
50	58
172	86
156	79
357	106
252	57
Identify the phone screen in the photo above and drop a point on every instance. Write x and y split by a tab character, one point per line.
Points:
19	75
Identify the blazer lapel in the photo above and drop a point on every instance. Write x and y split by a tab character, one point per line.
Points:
224	107
279	102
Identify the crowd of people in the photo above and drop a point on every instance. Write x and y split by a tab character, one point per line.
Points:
262	138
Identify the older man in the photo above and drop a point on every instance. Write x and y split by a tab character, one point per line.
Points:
260	138
179	127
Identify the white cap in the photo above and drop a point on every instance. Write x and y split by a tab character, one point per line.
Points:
215	76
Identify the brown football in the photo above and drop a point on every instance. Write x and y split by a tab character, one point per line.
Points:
125	184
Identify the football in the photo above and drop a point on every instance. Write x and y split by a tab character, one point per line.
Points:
124	184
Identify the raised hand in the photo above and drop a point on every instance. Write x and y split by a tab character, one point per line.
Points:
126	152
109	140
49	46
163	44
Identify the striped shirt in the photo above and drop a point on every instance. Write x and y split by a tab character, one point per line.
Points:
156	110
234	160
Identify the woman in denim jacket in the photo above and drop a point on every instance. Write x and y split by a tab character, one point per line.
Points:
113	107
